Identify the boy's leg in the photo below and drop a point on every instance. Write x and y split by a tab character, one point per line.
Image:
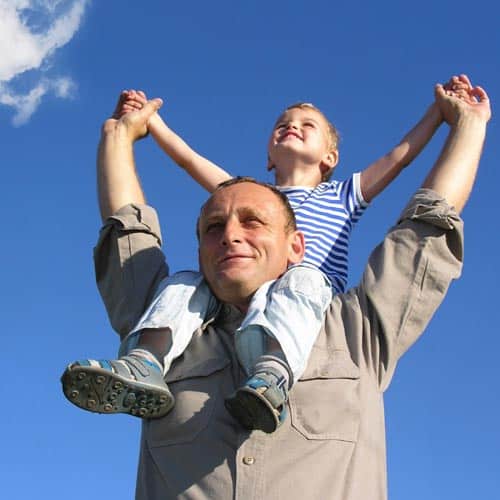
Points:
134	383
274	343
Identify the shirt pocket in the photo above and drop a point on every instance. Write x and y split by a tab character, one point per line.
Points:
196	388
324	403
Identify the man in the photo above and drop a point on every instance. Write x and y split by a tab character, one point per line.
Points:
333	446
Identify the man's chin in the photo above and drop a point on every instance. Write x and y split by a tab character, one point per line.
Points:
233	287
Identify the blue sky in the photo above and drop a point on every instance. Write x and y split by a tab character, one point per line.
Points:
225	70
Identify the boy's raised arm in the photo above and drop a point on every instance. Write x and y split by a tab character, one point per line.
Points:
203	171
378	175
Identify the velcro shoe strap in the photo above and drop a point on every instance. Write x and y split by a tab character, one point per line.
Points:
121	368
138	369
275	396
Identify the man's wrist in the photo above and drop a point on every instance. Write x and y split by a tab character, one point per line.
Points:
116	130
468	119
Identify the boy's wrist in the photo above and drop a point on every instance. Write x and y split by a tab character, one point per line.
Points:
434	113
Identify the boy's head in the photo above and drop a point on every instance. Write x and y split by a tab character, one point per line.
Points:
302	135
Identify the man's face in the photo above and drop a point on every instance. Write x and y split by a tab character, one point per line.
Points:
244	241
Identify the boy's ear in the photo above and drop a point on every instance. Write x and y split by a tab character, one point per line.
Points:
270	165
329	162
332	158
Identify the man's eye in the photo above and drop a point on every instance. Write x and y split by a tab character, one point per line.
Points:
213	227
253	221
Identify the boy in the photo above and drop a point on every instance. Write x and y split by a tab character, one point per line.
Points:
279	330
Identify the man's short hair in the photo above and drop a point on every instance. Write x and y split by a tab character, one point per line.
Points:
291	223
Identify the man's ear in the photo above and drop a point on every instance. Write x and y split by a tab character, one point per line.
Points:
296	248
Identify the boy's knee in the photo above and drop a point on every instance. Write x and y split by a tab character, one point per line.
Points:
304	280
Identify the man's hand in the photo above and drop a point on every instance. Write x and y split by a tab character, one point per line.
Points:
129	100
132	114
459	98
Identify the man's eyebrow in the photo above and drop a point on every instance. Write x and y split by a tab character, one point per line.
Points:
251	210
212	217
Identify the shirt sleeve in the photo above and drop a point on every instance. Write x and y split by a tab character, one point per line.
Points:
404	282
352	197
129	264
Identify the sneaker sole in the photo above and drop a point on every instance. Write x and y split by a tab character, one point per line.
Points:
252	410
101	391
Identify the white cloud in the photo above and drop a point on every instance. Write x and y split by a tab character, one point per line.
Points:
25	105
23	49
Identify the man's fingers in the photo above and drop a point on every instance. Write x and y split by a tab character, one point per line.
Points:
480	94
122	98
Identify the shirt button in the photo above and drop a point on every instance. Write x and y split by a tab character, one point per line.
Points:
248	460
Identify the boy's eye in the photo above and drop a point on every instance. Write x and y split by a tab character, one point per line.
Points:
309	124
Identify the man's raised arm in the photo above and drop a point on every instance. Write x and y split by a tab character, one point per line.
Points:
128	260
408	275
117	181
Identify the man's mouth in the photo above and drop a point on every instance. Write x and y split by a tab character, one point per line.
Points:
233	258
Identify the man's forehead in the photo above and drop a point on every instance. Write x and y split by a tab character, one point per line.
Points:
243	196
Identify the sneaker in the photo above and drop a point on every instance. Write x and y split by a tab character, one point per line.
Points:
260	404
131	385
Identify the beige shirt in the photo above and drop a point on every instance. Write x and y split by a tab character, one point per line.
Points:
332	446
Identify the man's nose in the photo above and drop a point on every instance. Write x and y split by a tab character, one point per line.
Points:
232	232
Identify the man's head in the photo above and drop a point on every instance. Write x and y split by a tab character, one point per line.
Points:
247	236
303	133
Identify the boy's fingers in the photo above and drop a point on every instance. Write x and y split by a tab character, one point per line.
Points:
464	78
439	89
151	107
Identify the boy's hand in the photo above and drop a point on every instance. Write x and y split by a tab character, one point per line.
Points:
458	98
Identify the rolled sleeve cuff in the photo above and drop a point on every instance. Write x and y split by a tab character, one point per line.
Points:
129	263
136	218
428	206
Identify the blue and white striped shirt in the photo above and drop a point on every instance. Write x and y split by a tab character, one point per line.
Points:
326	215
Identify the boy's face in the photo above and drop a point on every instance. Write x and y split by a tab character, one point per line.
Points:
301	134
